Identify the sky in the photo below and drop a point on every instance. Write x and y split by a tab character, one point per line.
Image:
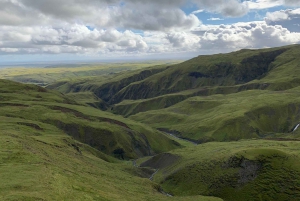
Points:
92	30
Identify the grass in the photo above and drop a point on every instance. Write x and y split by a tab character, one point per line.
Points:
47	75
41	158
102	130
52	142
221	169
249	114
44	165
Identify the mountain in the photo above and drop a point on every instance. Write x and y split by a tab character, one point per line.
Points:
218	127
240	95
36	108
52	148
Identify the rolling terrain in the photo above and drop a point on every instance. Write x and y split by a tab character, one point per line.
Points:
218	127
35	106
250	170
53	148
50	74
241	95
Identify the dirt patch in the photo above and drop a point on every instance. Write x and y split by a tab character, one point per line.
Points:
248	169
161	161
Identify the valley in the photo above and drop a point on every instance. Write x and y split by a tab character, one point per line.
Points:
216	127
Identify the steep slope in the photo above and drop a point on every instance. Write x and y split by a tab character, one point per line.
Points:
237	171
205	71
204	75
106	88
35	106
249	114
40	162
182	98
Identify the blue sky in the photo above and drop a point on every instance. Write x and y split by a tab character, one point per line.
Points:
95	30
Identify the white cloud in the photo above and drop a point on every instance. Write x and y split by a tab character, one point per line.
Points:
224	38
264	4
292	2
183	40
228	8
139	27
132	14
214	19
69	39
198	11
289	19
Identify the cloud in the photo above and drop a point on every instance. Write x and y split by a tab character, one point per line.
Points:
183	40
214	19
228	8
264	4
69	39
289	19
198	11
292	2
225	38
113	27
150	19
129	14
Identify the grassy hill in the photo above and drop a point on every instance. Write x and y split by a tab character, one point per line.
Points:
61	145
244	115
235	171
258	95
204	72
37	107
49	165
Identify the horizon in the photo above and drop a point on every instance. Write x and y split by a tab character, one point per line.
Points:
134	30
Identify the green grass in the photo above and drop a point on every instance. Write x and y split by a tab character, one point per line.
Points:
102	130
52	142
42	158
48	75
46	165
216	169
246	114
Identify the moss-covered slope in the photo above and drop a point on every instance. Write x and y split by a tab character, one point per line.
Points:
35	107
235	171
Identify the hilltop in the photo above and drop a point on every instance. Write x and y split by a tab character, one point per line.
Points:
53	148
115	137
239	95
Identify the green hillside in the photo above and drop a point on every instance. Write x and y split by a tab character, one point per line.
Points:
37	107
244	68
258	95
52	148
115	137
246	115
235	171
